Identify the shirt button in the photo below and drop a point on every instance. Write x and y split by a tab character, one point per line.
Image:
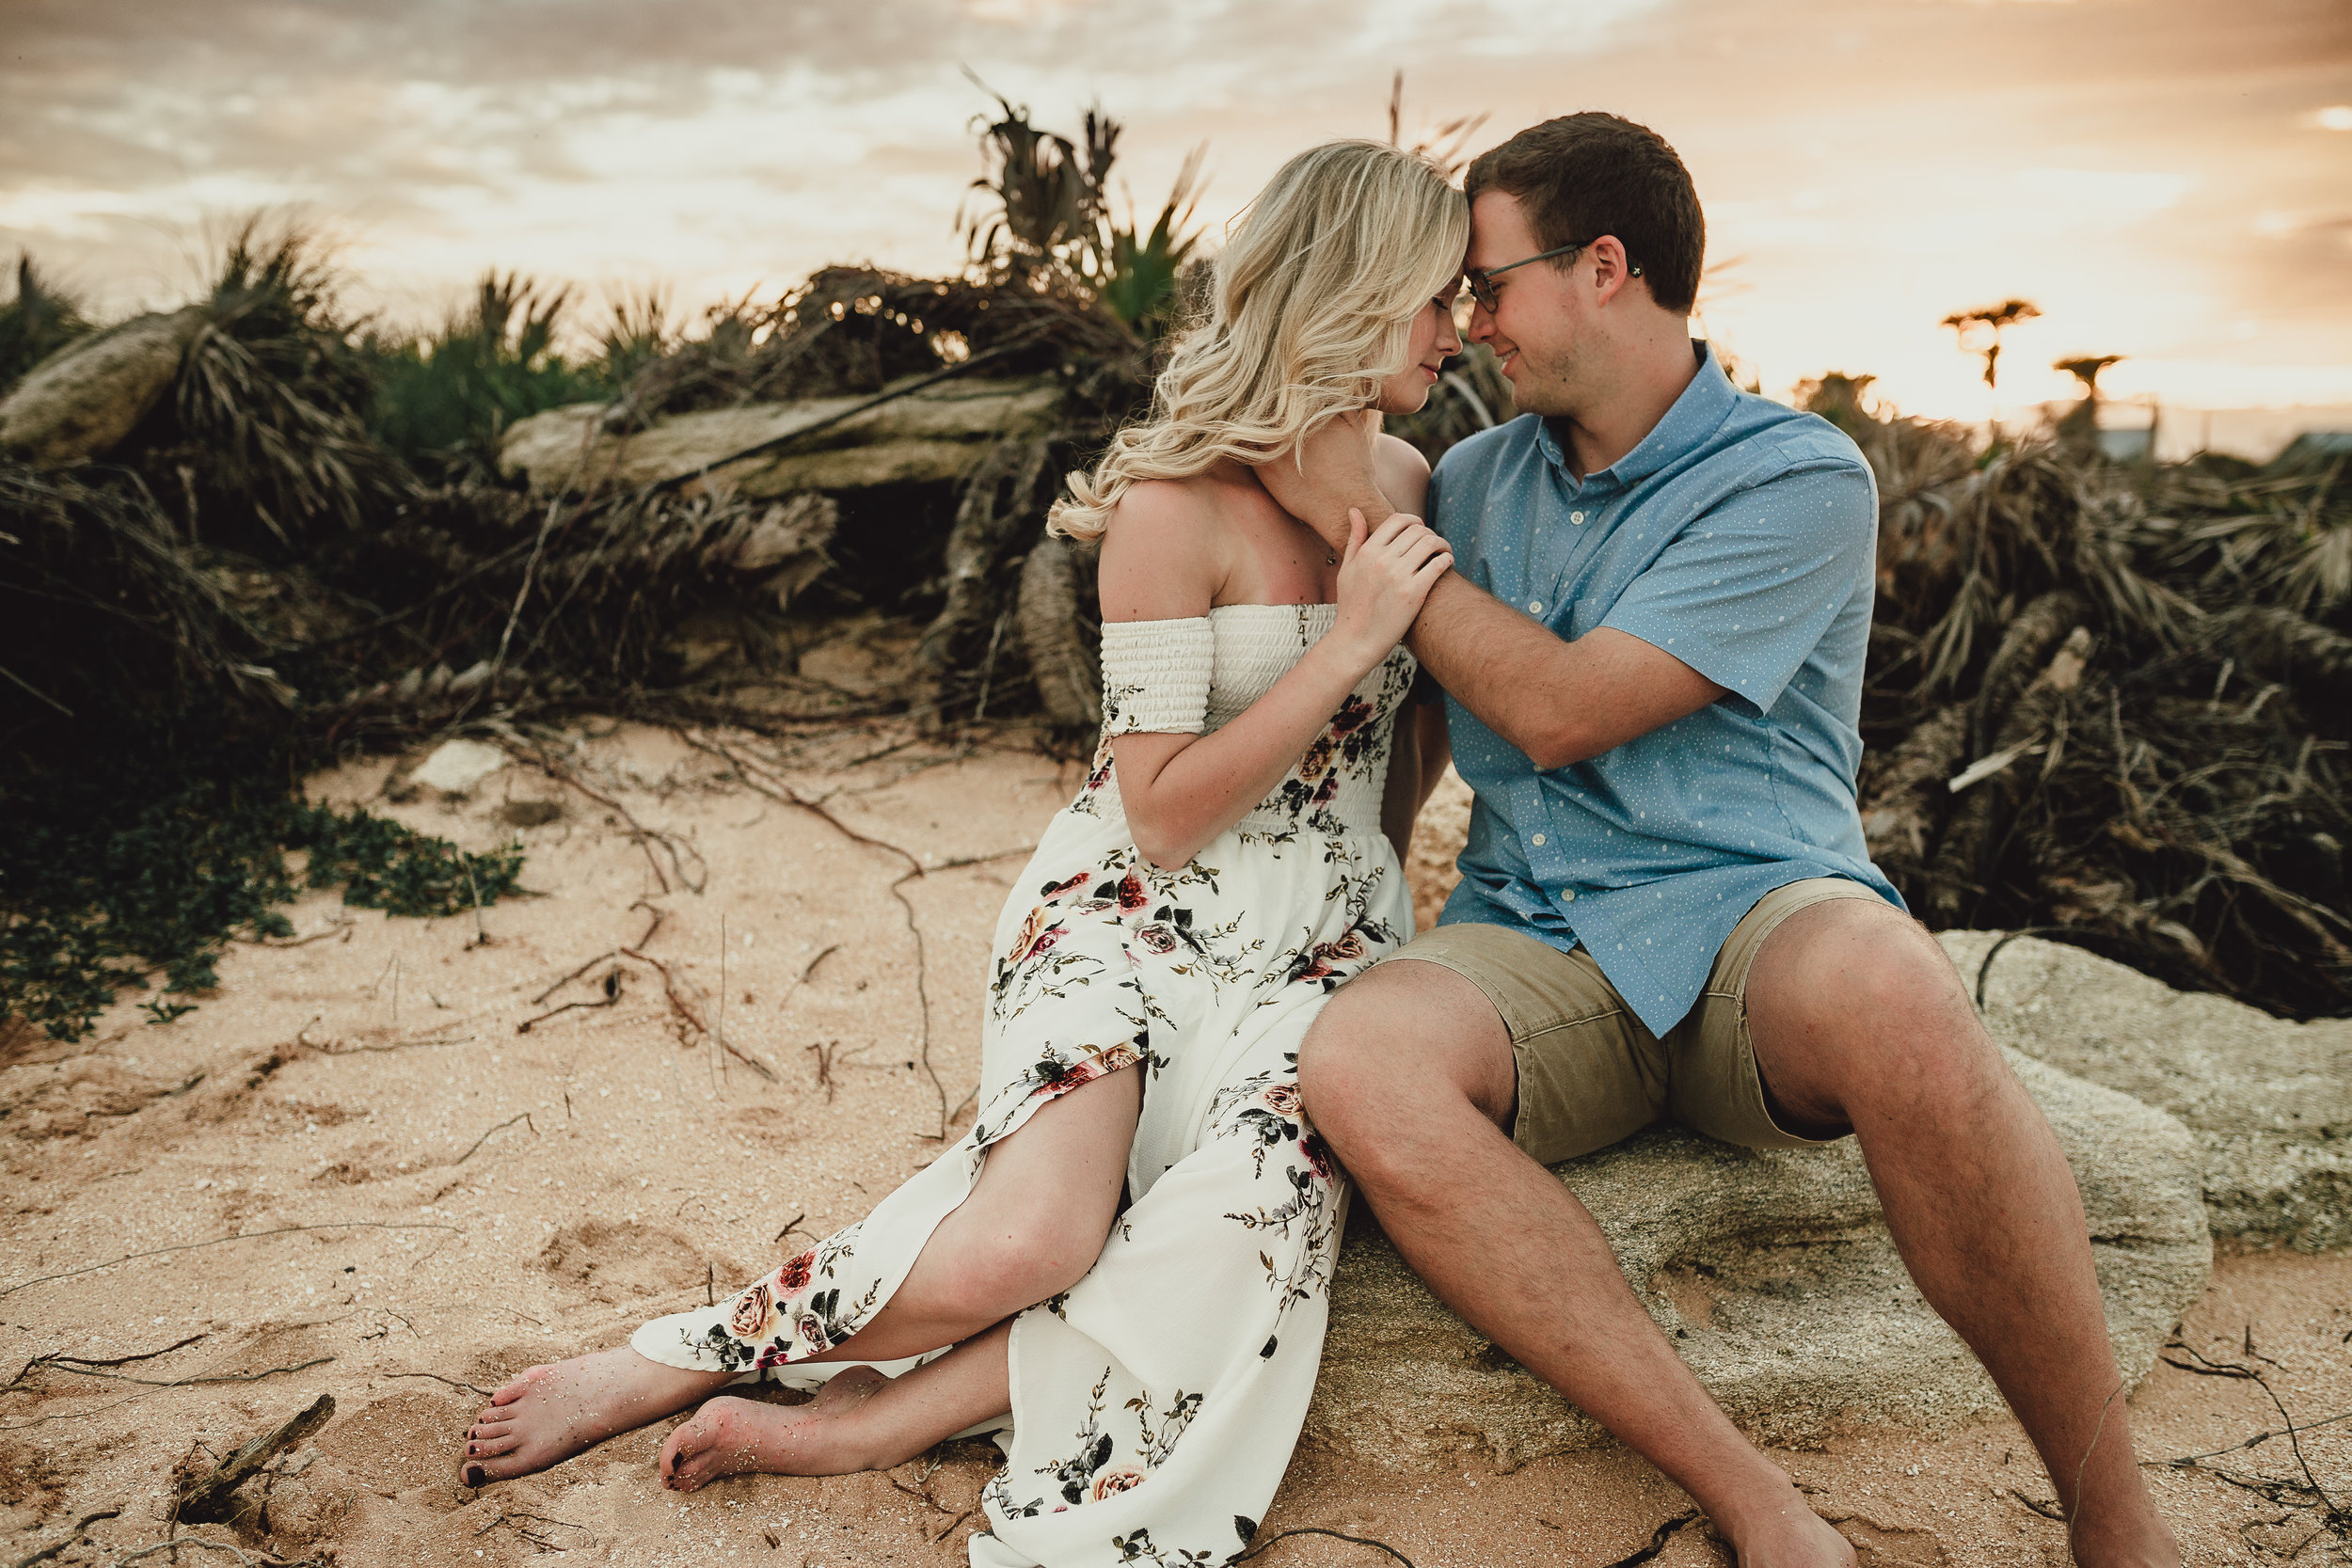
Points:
1534	607
1537	841
1576	517
1568	898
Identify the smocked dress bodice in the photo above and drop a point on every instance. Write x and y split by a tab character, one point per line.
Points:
1196	674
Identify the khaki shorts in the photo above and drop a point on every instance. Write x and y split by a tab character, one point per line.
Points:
1590	1072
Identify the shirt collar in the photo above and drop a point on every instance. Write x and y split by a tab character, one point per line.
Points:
1694	416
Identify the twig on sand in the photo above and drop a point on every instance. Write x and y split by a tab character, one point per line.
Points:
775	788
522	1116
823	1051
302	1038
611	995
2335	1518
539	1540
198	1542
806	970
1358	1539
57	1358
789	1226
342	928
687	1016
214	1377
643	837
71	1538
204	1500
659	914
1658	1539
220	1241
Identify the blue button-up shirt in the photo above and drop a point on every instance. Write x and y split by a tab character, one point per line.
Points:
1739	536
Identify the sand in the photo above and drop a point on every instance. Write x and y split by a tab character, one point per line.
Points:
477	1200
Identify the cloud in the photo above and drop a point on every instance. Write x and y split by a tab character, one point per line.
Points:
1876	166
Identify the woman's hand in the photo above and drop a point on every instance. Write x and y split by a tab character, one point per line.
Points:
1387	573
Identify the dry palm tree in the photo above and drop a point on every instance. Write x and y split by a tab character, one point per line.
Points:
1983	327
2086	368
2079	429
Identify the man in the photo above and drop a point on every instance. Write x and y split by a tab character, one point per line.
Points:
1652	649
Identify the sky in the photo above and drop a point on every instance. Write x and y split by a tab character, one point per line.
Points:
2166	179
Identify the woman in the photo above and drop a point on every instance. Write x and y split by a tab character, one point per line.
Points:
1225	866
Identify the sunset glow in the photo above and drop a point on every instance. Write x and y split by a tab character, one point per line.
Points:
2166	179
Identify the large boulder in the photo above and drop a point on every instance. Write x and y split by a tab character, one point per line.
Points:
1775	1275
936	435
2269	1101
83	400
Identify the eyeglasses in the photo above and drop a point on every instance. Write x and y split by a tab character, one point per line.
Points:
1483	289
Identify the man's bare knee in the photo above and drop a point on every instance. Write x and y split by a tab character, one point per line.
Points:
1394	1037
1852	1004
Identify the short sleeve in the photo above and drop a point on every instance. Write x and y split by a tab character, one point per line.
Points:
1748	590
1155	676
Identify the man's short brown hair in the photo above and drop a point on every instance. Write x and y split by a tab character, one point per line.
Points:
1585	175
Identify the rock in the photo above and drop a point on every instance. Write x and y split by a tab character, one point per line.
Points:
1438	834
1775	1277
83	400
457	766
938	433
2269	1101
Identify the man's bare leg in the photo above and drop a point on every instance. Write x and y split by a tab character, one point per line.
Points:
1033	1225
1409	1073
860	1422
1859	1019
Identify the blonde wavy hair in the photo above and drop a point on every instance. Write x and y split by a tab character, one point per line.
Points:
1313	308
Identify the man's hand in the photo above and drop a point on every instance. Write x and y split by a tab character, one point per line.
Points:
1331	472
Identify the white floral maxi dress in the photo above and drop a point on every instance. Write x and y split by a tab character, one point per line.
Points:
1156	1403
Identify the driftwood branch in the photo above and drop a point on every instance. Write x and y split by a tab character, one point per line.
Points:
205	1500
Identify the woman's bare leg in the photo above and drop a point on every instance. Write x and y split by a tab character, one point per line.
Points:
1032	1226
1034	1223
860	1422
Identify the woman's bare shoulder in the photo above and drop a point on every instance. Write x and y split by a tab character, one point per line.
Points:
1164	551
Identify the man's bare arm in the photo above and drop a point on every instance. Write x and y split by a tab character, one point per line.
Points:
1559	702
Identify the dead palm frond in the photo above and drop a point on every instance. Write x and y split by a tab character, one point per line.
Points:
266	420
39	320
1039	203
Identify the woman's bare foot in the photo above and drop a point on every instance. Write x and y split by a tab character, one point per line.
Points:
729	1436
550	1413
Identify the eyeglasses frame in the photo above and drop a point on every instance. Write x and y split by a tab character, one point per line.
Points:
1480	278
